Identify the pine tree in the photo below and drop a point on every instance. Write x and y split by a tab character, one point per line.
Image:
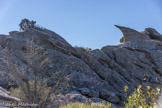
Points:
26	24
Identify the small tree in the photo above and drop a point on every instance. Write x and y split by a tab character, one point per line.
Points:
26	24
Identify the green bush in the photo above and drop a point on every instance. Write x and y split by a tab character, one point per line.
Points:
84	49
142	98
87	105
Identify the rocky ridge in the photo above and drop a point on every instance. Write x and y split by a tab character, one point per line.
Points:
99	74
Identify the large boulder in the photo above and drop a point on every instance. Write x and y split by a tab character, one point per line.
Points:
153	34
109	96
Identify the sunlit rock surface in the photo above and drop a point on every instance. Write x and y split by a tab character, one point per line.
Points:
99	74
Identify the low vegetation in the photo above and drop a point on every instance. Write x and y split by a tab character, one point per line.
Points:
143	98
42	90
83	48
87	105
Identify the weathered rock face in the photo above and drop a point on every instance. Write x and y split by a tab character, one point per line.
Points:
99	74
132	35
153	34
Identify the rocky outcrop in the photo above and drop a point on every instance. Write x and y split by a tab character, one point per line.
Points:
99	74
153	34
132	35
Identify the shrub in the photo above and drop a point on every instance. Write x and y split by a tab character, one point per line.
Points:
22	93
88	105
143	98
83	48
26	24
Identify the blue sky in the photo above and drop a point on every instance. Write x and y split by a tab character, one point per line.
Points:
87	23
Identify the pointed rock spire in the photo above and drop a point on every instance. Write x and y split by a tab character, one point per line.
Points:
131	34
